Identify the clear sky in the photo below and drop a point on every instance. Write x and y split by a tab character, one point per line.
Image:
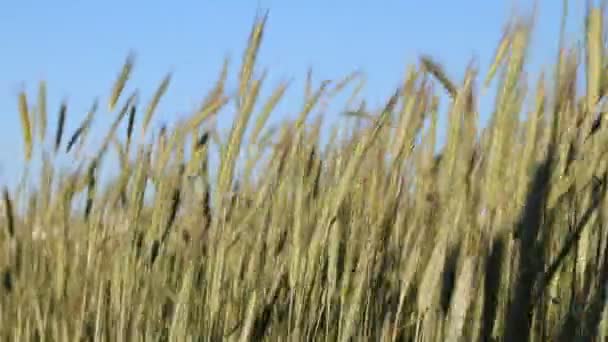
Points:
79	46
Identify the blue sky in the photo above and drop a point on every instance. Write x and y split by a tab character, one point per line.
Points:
79	46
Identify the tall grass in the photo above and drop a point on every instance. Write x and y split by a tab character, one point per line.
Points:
375	236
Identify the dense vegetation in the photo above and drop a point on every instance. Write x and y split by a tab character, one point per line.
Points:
370	236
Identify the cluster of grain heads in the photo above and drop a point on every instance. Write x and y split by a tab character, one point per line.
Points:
370	236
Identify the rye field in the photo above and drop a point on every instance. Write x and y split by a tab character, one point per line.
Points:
379	233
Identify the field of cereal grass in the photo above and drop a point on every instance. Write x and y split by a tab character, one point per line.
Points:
370	236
